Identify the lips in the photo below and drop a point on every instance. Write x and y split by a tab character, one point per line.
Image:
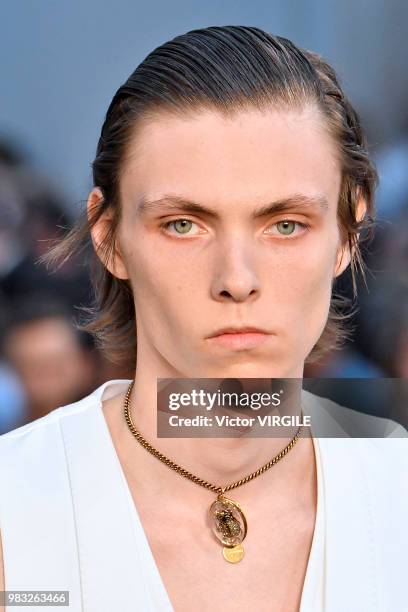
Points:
239	338
238	330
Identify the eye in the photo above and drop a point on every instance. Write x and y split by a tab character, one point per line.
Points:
182	226
287	227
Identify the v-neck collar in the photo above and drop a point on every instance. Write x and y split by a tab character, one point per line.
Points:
161	598
116	568
351	574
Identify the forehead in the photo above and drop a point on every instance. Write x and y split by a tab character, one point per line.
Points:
242	158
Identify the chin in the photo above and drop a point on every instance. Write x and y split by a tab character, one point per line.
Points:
252	368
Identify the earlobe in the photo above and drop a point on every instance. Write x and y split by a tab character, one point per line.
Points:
345	252
343	259
99	232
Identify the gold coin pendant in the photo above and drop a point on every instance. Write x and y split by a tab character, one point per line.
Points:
233	554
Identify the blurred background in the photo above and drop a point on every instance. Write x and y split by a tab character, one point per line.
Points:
61	63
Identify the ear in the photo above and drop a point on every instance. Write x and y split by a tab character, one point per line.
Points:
344	255
116	264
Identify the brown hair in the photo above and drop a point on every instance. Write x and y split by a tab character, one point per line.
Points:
227	69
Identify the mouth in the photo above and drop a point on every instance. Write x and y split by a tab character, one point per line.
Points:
239	339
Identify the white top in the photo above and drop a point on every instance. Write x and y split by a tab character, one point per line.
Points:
68	520
313	588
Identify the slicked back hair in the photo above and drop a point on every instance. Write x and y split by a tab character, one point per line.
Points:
227	69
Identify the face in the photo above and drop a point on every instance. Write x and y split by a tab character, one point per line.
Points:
50	362
229	222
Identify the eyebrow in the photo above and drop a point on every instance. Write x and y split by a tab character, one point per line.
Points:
175	202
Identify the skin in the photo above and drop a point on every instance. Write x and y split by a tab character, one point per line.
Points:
229	269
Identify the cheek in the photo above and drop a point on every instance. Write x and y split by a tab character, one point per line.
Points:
306	283
161	281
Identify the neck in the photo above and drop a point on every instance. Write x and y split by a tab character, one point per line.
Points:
218	460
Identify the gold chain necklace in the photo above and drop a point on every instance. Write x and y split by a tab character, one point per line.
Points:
228	519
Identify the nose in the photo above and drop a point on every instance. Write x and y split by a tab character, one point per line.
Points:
235	278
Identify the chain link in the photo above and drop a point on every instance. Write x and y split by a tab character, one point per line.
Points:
189	475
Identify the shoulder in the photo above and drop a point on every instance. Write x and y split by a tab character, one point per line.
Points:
34	478
49	425
48	471
334	420
362	446
42	430
33	453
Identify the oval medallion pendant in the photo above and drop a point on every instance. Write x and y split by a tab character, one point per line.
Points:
229	525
